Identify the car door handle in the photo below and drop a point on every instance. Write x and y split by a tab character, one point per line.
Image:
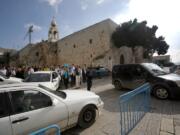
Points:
19	120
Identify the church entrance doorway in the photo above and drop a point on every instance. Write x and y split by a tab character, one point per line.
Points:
122	59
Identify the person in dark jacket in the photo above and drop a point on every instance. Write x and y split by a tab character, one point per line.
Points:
66	77
84	73
89	79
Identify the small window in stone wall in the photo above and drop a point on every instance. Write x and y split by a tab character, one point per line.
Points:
91	55
74	46
37	54
109	57
55	52
90	41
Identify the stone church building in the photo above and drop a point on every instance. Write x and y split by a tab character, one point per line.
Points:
91	46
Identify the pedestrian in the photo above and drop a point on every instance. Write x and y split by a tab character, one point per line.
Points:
20	73
8	72
89	79
13	72
77	72
84	73
73	75
80	74
66	77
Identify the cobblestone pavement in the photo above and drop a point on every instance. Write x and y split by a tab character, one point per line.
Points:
163	119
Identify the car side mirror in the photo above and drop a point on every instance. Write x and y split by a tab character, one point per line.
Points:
54	80
50	103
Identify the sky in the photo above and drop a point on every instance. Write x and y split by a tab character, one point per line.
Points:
74	15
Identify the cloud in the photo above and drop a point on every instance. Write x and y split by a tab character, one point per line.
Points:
100	1
53	3
87	3
35	27
163	13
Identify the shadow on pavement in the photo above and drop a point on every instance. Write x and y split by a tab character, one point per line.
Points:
110	98
73	131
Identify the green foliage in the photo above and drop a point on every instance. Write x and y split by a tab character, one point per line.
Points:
133	33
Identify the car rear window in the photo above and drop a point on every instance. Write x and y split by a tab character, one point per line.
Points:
38	77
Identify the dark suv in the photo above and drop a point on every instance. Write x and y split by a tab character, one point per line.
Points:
131	76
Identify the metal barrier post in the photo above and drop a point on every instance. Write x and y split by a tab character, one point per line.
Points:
43	130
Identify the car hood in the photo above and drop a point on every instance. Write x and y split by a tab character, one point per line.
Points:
79	94
172	77
14	79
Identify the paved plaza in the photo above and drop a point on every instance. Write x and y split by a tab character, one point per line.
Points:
163	118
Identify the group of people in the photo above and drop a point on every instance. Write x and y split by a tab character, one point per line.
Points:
71	75
21	71
74	75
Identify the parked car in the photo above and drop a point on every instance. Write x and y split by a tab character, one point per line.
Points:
168	67
164	85
7	80
98	72
25	108
176	68
49	79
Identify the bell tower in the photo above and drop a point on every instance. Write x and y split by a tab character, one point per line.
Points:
53	34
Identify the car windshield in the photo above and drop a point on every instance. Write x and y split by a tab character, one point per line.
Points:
154	69
38	77
57	93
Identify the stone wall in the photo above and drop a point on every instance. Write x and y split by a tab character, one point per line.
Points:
41	54
85	46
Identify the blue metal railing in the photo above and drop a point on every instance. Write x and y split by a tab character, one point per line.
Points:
44	130
133	106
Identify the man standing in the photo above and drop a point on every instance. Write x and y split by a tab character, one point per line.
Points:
84	73
77	71
89	79
66	77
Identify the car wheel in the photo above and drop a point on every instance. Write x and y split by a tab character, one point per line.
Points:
161	92
117	85
87	117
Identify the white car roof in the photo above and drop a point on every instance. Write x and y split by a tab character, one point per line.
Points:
43	72
17	85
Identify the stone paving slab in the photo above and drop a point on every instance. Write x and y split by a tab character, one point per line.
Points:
167	125
177	130
165	133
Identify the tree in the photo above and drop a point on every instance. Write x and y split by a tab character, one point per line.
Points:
134	33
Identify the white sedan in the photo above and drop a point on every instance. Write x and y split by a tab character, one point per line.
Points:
8	80
48	79
25	108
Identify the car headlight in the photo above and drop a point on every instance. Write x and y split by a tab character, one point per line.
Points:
99	101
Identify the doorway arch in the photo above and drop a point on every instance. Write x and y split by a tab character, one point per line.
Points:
122	59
